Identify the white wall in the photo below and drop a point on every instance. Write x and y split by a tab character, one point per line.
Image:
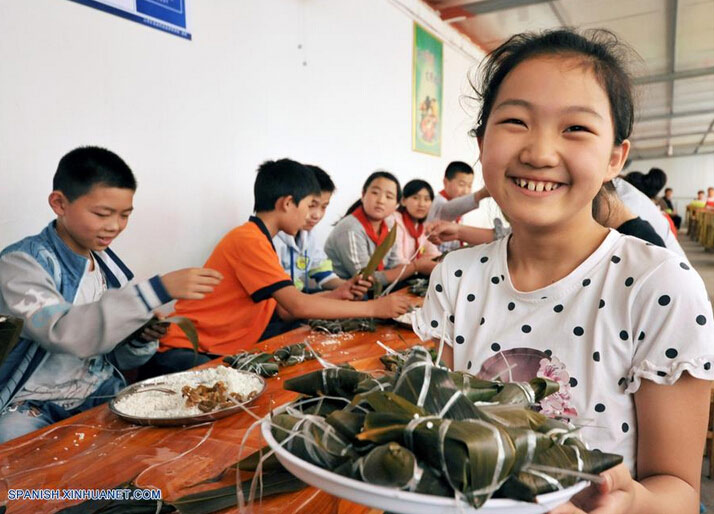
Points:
685	175
195	118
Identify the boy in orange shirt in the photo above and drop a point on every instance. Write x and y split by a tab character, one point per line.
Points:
255	285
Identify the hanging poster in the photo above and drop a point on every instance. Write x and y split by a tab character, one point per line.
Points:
427	91
167	15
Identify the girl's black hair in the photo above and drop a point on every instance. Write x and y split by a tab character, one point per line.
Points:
413	187
598	48
650	184
374	176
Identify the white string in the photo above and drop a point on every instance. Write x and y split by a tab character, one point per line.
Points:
393	284
386	348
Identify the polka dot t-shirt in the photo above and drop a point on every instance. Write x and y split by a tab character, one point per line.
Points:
629	311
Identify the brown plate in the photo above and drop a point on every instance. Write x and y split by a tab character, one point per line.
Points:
157	383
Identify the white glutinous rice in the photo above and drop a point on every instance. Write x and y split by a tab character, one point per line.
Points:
157	404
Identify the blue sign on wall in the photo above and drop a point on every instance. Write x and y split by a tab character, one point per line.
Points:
166	15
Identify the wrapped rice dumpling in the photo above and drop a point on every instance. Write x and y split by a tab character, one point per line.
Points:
531	481
475	457
431	387
419	430
337	326
312	439
293	354
389	464
335	382
255	362
526	393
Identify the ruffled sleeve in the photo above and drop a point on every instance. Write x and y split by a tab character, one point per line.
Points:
430	321
673	327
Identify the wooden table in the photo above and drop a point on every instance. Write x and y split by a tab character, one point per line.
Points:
701	225
96	450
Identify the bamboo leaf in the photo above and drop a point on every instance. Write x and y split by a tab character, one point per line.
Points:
380	252
250	463
186	326
214	500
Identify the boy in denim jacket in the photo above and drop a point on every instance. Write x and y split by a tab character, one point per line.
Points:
84	320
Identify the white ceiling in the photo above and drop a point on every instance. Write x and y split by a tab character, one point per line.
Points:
675	38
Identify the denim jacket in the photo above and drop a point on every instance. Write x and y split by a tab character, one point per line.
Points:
39	279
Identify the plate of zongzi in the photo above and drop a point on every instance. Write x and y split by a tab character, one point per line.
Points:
427	439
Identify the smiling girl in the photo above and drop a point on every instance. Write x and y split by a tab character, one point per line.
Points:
410	217
627	326
355	237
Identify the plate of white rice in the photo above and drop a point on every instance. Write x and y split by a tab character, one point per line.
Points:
159	401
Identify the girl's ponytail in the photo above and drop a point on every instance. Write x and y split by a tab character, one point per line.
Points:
353	207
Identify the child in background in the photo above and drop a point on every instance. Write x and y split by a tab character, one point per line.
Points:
83	320
700	202
301	255
624	327
710	197
456	199
256	286
410	217
670	210
637	202
650	184
365	225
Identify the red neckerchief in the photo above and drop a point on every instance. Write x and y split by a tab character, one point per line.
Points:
413	230
446	195
376	239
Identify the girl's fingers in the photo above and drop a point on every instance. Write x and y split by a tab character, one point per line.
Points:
617	478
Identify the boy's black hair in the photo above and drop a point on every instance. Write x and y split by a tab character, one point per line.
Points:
667	190
413	187
326	183
700	192
87	166
374	176
598	48
277	179
455	167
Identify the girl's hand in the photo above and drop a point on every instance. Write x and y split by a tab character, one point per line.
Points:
444	231
424	265
614	496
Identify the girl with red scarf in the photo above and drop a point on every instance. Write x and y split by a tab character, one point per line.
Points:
366	224
412	238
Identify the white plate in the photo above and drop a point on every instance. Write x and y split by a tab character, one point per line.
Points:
179	420
395	500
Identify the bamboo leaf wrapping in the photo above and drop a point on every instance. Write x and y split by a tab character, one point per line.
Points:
475	451
380	253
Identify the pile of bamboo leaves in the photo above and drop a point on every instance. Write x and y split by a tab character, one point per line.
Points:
418	286
430	430
338	326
